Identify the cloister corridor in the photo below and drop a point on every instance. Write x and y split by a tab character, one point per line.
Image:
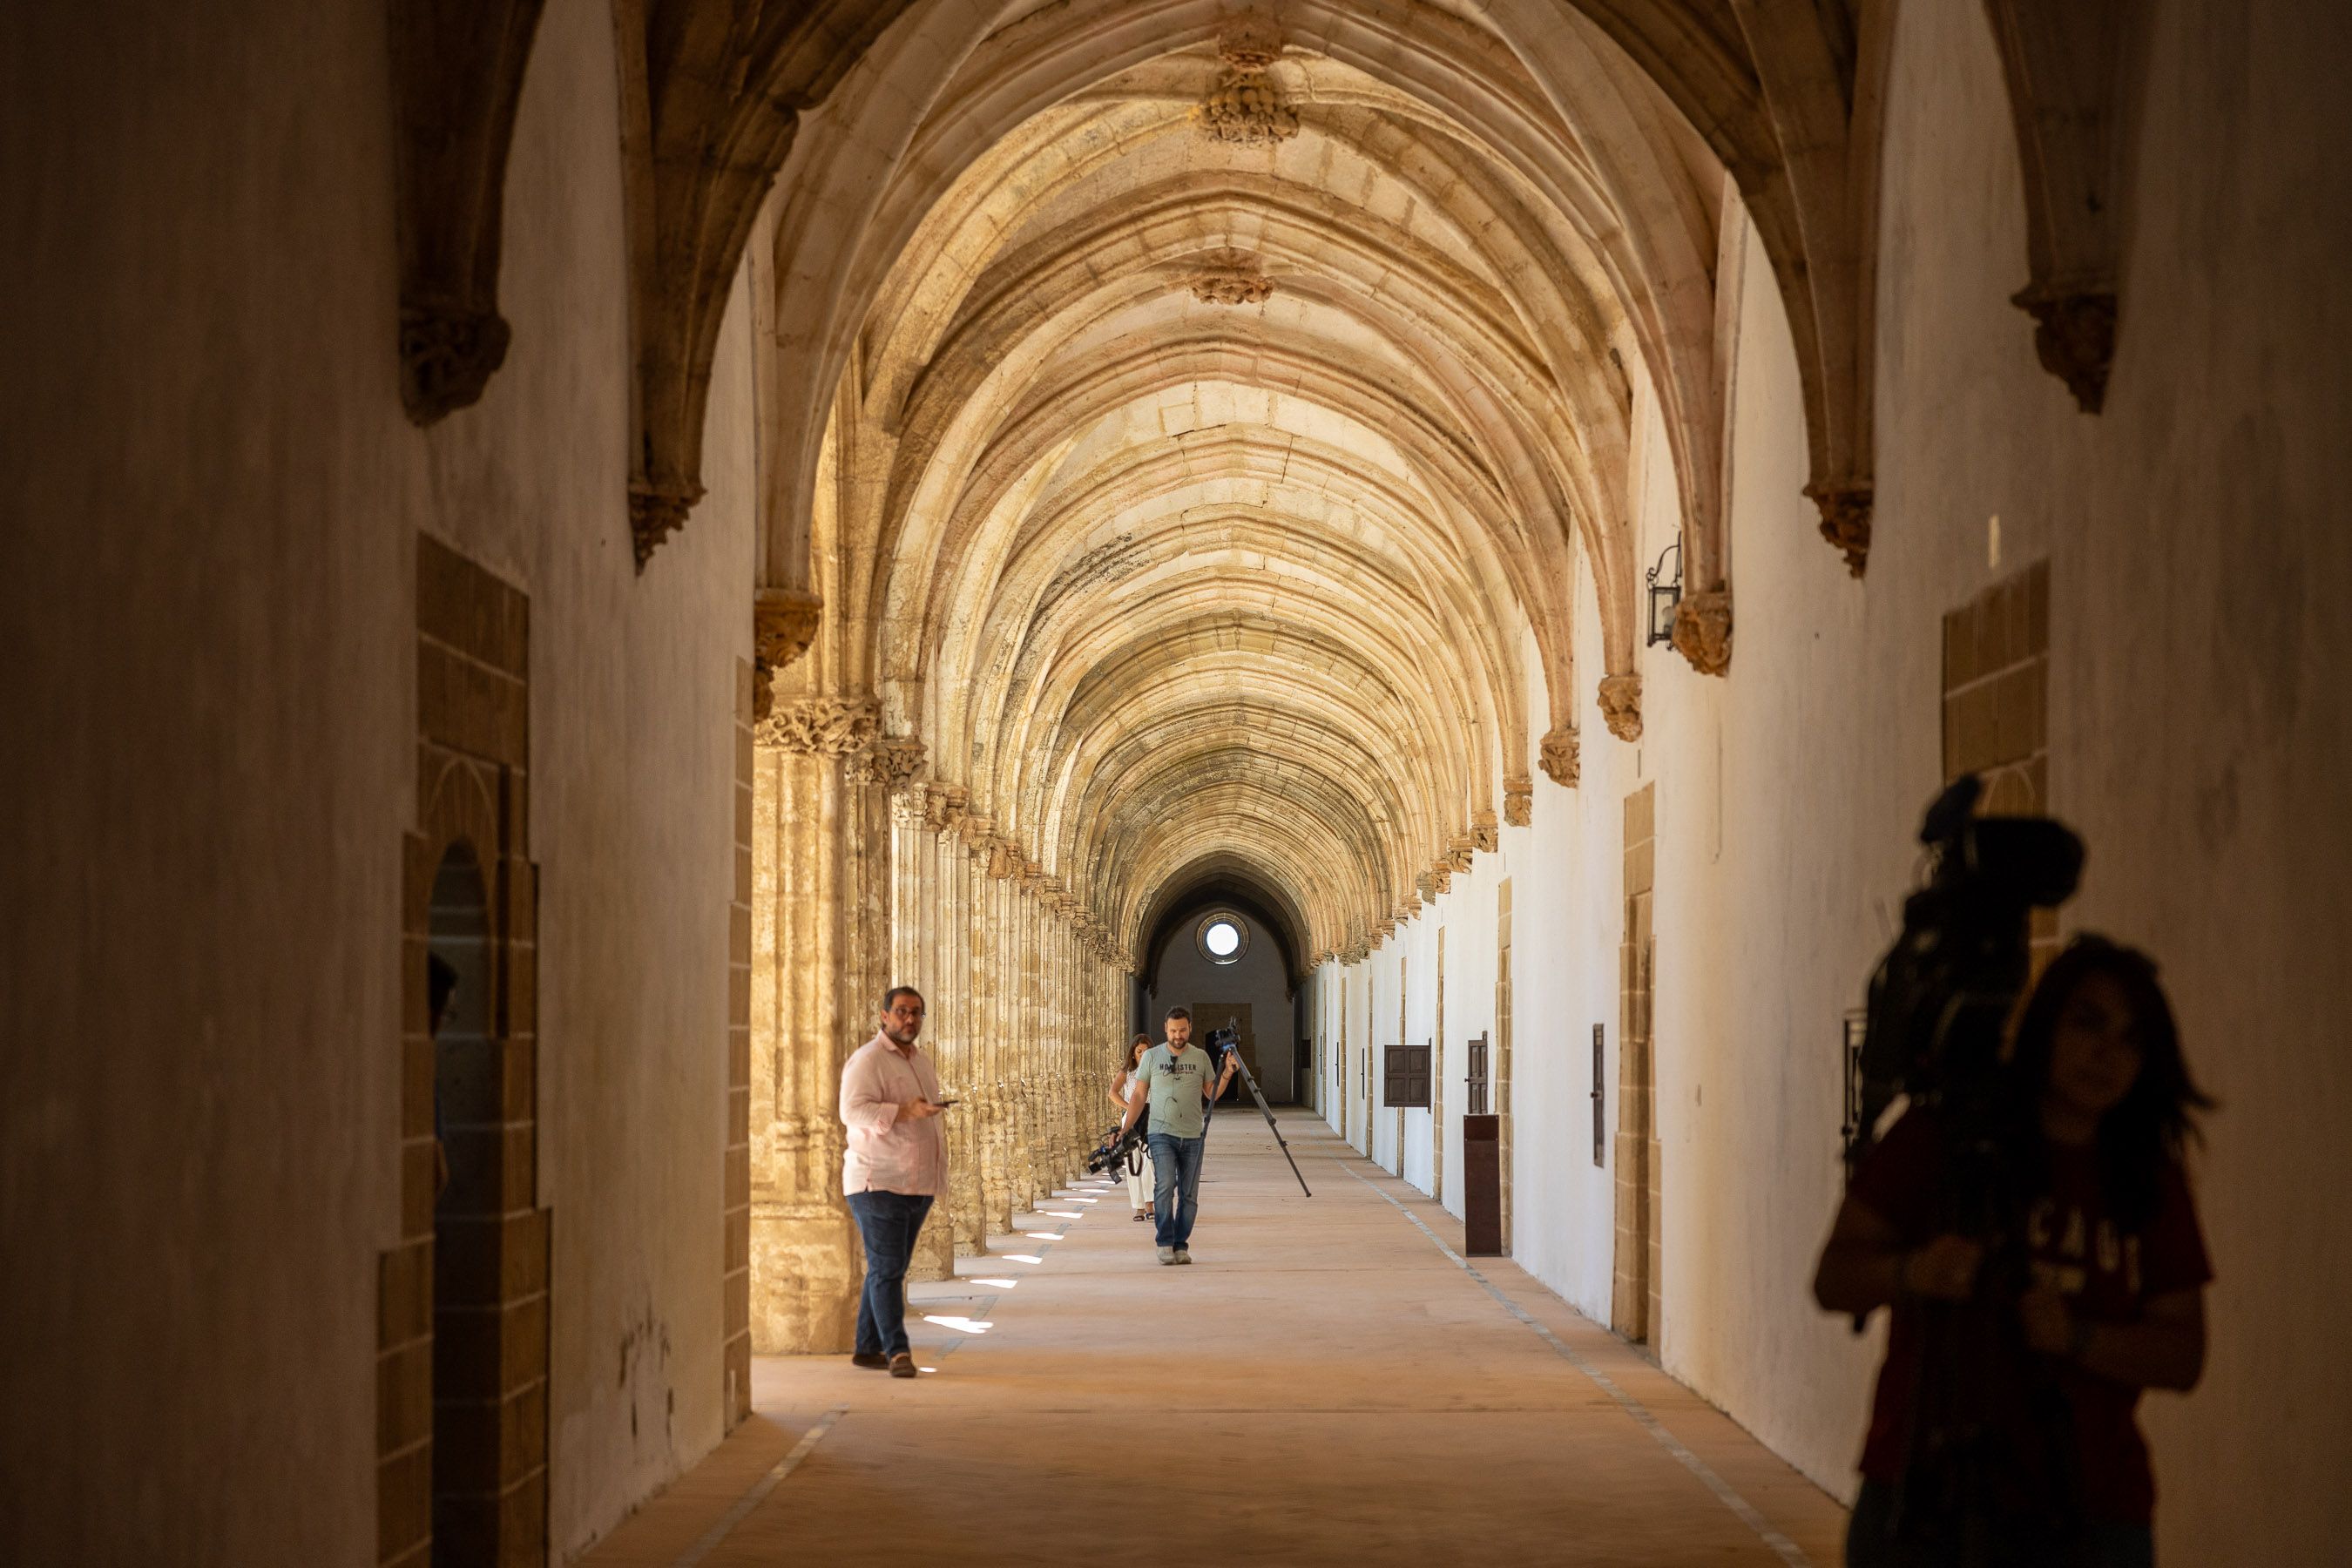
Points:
1714	629
1354	1390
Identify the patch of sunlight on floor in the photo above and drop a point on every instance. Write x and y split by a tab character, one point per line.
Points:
1043	1235
1063	1213
1001	1284
1021	1258
960	1325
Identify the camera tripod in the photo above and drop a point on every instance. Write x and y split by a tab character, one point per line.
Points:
1228	1039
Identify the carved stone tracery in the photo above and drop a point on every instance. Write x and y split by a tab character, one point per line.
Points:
1230	278
1247	108
821	726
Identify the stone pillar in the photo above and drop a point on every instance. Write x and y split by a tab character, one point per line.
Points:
951	941
806	1263
914	950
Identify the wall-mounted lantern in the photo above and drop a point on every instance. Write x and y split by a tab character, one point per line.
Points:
1664	596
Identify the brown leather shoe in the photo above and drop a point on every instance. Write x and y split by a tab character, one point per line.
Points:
902	1366
877	1362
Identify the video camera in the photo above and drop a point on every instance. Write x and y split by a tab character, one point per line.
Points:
1115	1153
1942	995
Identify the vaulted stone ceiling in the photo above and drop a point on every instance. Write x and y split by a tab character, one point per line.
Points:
1226	409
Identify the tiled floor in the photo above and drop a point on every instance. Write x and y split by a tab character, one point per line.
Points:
1324	1384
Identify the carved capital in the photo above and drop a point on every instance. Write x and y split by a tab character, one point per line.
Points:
893	762
1519	801
1004	860
944	807
821	726
656	511
1428	885
1621	705
447	357
1563	759
1458	851
1485	833
2074	334
1702	630
1845	521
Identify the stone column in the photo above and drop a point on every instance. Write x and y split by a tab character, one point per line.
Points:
914	890
952	942
809	923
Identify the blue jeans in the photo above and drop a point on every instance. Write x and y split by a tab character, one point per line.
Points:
1869	1540
889	1222
1175	1187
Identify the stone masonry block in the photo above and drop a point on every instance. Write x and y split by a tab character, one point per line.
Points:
404	1294
460	604
404	1396
404	1505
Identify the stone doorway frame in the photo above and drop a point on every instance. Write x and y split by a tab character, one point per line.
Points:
462	1300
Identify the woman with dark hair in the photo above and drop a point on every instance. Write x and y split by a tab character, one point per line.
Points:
2111	1299
1138	1189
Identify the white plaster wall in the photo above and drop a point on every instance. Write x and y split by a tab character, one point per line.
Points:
210	678
2199	576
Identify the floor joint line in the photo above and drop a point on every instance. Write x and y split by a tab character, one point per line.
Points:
713	1538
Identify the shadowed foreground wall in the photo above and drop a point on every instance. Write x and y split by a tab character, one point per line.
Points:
211	668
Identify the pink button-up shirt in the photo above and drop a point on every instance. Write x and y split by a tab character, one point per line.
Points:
885	1153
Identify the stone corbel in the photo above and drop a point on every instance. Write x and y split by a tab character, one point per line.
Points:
1519	801
1485	833
1459	850
1562	757
2065	68
1621	705
1845	521
783	624
1003	859
457	76
1427	884
1702	630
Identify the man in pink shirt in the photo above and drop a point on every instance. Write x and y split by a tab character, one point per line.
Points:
896	1164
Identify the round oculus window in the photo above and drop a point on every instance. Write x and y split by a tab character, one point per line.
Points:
1221	938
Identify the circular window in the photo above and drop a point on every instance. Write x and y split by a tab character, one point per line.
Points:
1222	937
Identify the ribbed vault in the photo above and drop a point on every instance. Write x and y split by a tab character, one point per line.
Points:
1219	414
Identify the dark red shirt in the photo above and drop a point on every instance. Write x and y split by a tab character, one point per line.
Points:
2108	1274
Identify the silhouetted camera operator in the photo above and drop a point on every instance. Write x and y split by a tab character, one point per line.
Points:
2003	1429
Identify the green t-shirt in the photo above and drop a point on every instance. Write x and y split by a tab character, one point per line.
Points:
1178	1086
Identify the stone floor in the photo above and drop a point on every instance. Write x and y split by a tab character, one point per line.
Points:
1325	1383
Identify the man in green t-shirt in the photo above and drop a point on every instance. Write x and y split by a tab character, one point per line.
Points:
1177	1081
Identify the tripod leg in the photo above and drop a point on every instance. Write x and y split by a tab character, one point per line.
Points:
1267	1111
